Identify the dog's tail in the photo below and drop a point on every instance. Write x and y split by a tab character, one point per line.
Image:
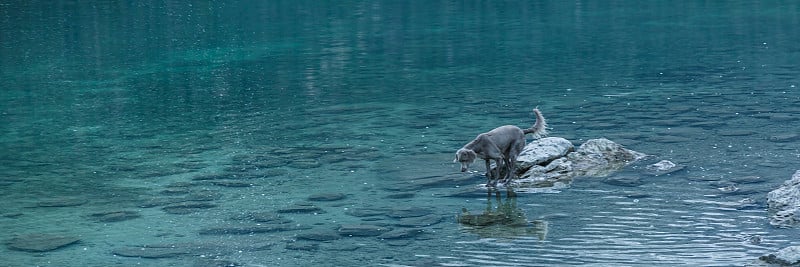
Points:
539	129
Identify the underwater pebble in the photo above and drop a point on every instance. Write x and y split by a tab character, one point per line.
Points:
114	216
250	229
365	212
668	139
319	235
304	246
400	195
423	221
780	138
151	252
409	212
231	183
623	181
401	233
736	133
362	230
187	207
262	216
752	179
62	202
301	207
40	242
326	197
305	164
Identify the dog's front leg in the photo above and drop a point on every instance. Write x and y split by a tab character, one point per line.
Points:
489	173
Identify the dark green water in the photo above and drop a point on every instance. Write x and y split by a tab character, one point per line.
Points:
243	110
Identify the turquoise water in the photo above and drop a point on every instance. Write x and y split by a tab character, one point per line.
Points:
296	133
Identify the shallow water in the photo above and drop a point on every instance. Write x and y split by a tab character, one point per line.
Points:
256	133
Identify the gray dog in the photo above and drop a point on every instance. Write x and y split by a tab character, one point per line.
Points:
503	145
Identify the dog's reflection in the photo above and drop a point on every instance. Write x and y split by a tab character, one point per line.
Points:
504	221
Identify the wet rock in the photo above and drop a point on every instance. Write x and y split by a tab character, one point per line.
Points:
663	167
40	242
114	216
301	207
62	202
326	197
319	235
362	230
784	203
789	256
595	157
187	207
543	151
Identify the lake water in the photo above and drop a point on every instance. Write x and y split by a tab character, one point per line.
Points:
297	133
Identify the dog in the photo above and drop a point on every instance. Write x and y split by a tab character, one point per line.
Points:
502	144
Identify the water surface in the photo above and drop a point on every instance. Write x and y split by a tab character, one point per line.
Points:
248	112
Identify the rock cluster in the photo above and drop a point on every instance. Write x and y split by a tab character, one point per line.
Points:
548	161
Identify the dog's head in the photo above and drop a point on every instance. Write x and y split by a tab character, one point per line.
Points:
465	157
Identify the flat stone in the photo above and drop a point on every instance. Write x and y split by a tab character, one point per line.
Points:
362	230
114	216
40	242
326	197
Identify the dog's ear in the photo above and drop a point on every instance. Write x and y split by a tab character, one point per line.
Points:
456	159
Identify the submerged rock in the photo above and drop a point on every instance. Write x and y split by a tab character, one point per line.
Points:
663	167
40	242
784	203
